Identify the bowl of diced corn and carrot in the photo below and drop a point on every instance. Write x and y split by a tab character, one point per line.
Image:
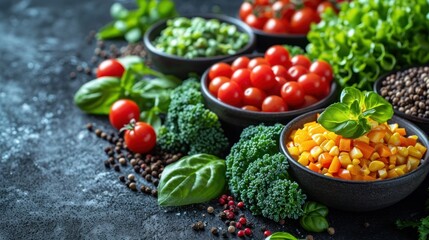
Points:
373	171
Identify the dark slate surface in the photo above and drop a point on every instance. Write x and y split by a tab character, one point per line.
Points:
53	184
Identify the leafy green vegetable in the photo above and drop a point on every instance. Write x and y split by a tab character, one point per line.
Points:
148	88
421	225
190	127
257	174
294	50
192	179
314	218
281	236
350	117
371	37
132	24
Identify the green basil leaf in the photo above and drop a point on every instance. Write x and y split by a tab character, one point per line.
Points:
314	218
377	108
355	108
130	60
118	11
108	32
351	94
152	117
281	236
98	95
192	179
133	35
127	80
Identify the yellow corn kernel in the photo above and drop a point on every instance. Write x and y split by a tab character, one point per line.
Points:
308	124
300	136
403	151
318	138
392	160
344	159
317	128
374	156
364	162
357	177
376	165
420	147
304	158
356	153
328	174
334	151
319	165
401	169
353	169
372	123
324	170
392	166
400	160
395	139
412	151
331	135
293	151
316	151
363	138
392	173
393	150
393	127
292	134
355	161
327	144
365	170
412	163
382	173
414	137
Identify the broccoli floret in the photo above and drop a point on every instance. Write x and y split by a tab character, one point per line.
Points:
190	127
257	174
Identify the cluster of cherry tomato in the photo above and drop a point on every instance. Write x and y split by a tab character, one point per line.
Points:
284	16
139	137
272	83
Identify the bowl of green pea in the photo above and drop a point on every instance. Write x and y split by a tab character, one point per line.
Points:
191	44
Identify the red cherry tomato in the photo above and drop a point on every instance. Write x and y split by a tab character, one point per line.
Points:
257	61
274	104
277	55
246	8
122	111
293	94
313	85
141	138
279	71
276	89
295	72
311	3
220	70
302	19
322	69
309	100
230	93
216	83
263	77
300	60
284	9
253	96
251	108
255	22
277	26
242	77
240	62
323	6
110	68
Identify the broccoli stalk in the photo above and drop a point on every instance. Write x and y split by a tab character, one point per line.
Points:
257	174
189	127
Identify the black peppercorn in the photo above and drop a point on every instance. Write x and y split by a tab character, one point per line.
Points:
122	178
117	168
107	164
89	126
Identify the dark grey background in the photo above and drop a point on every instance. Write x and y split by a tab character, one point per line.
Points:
53	184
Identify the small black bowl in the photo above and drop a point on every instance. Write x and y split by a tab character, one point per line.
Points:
355	196
266	40
423	123
236	119
181	67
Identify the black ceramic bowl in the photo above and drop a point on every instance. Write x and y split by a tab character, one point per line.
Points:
237	119
355	196
423	123
266	40
181	67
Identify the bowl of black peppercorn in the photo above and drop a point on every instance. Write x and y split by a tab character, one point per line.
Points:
408	92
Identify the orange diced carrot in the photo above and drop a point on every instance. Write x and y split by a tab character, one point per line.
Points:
368	178
407	141
325	159
345	145
335	165
307	145
313	167
344	174
366	149
401	131
383	150
376	135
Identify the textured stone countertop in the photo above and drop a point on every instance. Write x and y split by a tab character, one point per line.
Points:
53	184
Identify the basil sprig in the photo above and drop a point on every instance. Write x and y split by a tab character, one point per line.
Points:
350	117
192	179
314	218
281	236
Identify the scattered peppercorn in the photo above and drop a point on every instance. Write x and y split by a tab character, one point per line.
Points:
154	193
122	178
198	226
240	205
331	230
267	233
238	225
241	233
131	177
214	231
107	164
210	209
133	186
231	229
122	161
117	168
242	220
222	215
98	132
248	231
366	224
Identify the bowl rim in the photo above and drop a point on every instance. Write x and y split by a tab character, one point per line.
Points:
377	87
204	87
419	132
279	35
241	26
